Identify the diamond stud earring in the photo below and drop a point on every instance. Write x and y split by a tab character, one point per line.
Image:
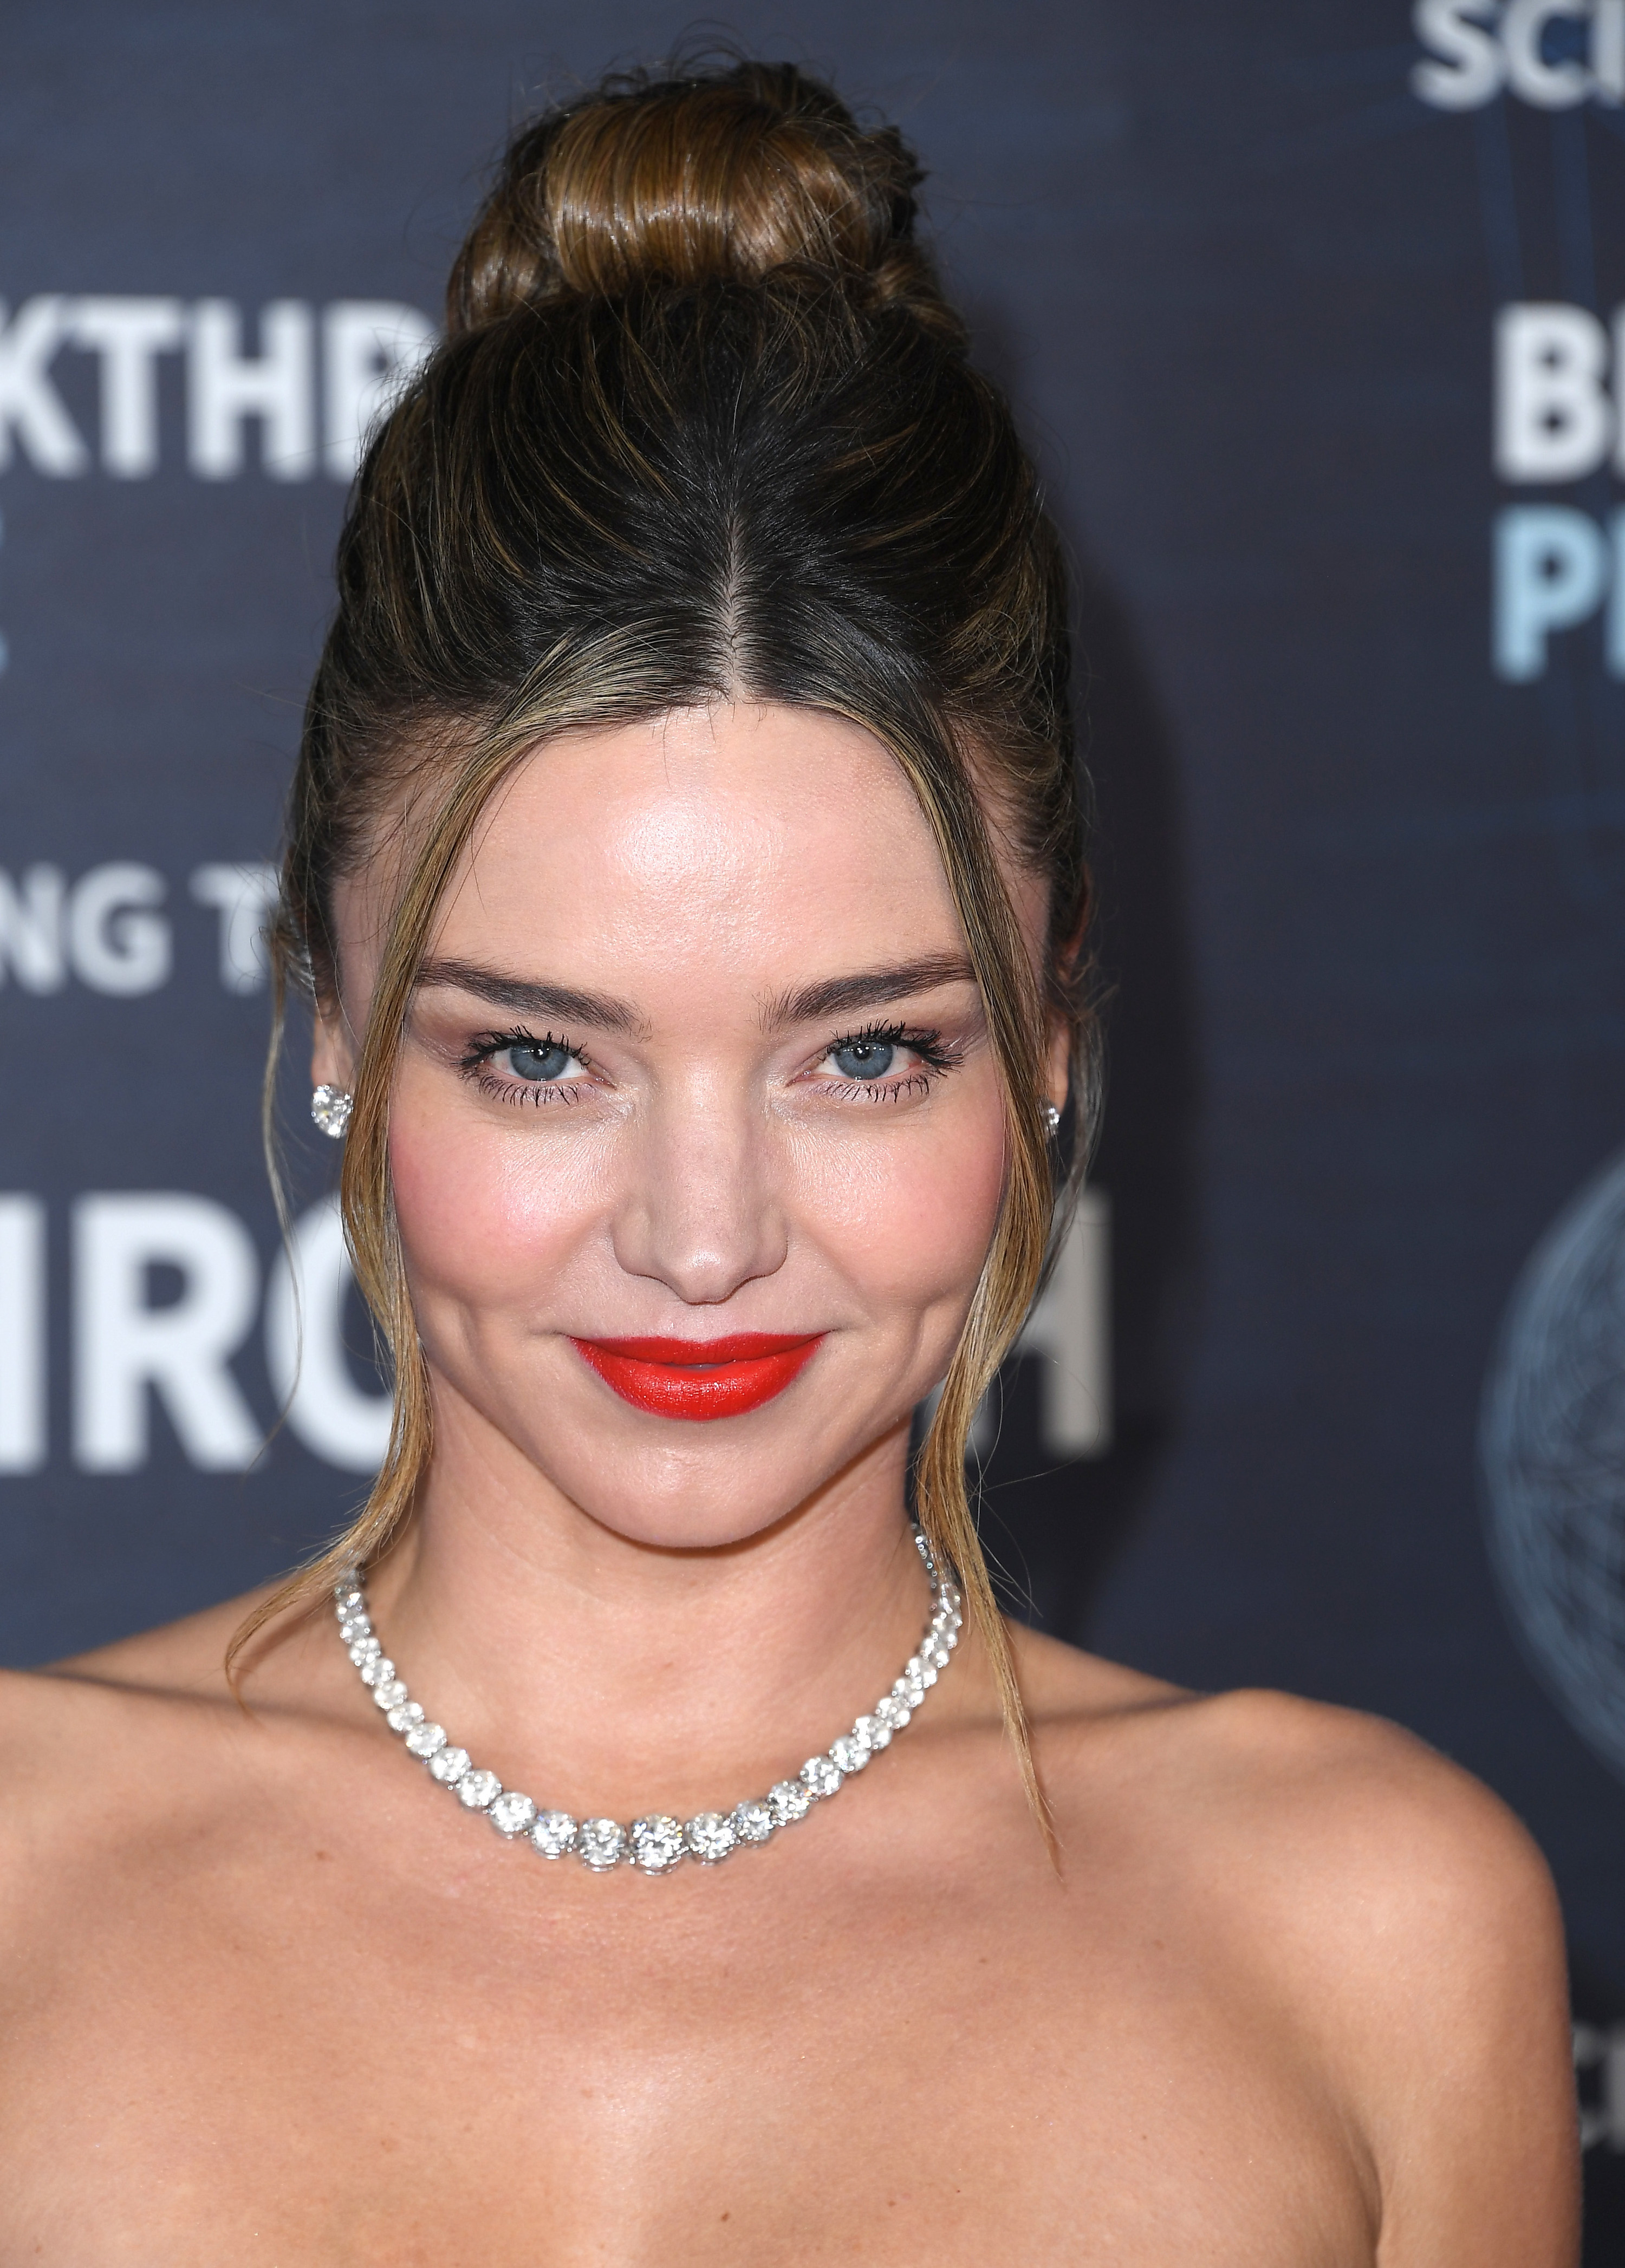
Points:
1051	1119
330	1107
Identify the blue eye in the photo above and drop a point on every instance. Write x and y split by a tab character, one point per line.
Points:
546	1059
864	1059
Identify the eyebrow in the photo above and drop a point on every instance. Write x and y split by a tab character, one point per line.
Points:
836	996
562	1001
872	988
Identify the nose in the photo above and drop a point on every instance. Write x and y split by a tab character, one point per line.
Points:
701	1212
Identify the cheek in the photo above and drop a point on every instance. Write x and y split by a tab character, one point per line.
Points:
908	1219
480	1221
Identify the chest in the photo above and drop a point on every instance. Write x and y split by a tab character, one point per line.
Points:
317	2061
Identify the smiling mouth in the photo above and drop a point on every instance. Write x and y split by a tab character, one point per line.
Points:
699	1379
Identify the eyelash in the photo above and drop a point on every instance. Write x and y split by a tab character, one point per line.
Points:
937	1055
535	1092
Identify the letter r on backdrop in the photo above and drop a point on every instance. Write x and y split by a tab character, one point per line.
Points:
127	1350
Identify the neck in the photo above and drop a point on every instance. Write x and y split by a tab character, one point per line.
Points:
605	1674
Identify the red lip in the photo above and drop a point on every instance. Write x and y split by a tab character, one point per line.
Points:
699	1378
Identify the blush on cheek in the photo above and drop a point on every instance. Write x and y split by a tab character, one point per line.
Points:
909	1224
476	1231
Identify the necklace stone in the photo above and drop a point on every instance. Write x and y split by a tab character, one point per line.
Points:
660	1842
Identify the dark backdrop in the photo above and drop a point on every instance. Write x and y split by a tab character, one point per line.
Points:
1242	267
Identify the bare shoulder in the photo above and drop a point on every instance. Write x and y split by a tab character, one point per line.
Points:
93	1740
188	1655
1361	1834
1323	1799
180	1661
1414	1929
1378	1904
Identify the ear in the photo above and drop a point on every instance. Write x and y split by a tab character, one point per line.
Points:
1058	1061
1062	1036
332	1052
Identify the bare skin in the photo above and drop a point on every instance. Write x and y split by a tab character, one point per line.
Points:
1295	1994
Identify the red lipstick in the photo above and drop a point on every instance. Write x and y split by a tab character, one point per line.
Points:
699	1378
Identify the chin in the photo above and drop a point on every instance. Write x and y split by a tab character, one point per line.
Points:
682	1500
688	1523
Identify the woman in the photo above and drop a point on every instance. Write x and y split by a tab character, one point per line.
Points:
685	871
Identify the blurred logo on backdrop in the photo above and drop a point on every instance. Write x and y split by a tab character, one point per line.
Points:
310	388
304	396
1552	54
292	394
113	930
1559	417
1553	1443
1558	367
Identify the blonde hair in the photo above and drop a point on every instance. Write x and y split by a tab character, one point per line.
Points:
703	428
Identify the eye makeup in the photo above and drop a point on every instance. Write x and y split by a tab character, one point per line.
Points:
550	1068
540	1067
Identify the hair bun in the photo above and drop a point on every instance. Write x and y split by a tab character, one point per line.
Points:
693	178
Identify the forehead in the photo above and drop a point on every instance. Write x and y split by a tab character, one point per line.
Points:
753	833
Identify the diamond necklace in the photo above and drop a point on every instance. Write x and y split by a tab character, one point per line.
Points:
660	1842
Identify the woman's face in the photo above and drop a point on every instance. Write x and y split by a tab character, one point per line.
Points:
697	1058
